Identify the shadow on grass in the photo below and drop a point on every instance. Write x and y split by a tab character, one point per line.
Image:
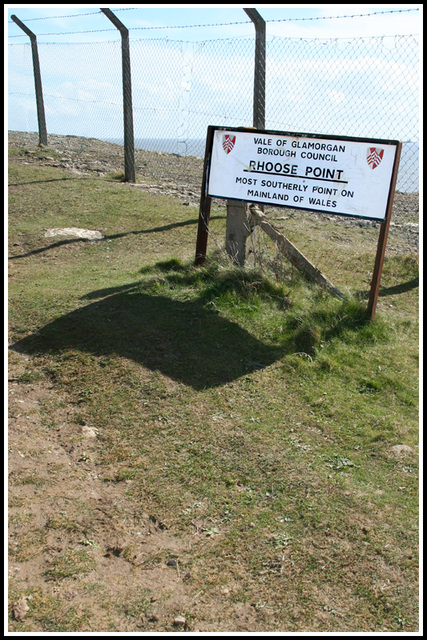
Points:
189	341
182	340
392	291
20	184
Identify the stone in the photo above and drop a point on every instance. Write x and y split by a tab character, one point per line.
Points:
179	621
89	432
86	234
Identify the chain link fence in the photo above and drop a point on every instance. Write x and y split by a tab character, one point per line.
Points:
363	87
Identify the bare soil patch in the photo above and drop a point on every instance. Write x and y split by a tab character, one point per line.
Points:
77	543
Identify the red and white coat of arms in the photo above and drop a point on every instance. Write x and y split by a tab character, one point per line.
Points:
374	157
228	142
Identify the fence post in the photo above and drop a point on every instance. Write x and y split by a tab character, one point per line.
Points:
259	74
37	81
127	98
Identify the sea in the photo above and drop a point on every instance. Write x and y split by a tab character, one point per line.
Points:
407	180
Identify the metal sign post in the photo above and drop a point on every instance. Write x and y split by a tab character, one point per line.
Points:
382	241
205	206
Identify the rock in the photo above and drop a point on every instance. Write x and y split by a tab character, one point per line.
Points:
172	562
87	234
20	609
89	432
179	621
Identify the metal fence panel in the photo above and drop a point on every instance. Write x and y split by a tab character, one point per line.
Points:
364	87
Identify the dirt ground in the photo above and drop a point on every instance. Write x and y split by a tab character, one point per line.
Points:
53	480
59	507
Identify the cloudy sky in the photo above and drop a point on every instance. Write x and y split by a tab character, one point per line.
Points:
300	21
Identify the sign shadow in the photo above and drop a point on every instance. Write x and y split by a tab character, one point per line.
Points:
183	340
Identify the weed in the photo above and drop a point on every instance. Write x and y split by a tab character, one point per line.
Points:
69	565
27	544
29	377
117	176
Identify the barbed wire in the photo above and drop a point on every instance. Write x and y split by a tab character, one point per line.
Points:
69	33
217	24
356	15
74	15
225	24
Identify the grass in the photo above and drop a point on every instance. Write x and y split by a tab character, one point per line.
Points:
258	413
69	565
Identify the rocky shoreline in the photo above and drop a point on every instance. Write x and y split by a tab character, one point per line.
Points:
178	176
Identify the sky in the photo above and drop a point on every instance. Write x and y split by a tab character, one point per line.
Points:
302	21
193	66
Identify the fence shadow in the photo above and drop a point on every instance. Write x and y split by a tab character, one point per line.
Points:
392	291
183	340
114	236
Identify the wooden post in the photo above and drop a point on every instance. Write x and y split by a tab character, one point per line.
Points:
37	81
294	256
382	241
127	98
238	231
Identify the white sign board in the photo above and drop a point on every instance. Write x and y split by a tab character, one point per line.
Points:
338	175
